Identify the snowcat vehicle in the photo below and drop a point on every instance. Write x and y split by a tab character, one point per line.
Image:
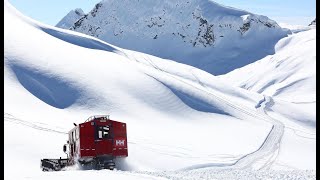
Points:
94	144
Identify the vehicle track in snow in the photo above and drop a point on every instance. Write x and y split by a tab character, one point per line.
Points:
266	154
10	118
264	157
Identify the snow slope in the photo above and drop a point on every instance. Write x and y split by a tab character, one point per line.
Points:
289	77
180	119
193	32
286	76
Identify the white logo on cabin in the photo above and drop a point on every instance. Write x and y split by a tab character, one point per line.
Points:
119	142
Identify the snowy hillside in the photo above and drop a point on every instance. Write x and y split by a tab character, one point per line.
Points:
72	17
193	32
289	77
183	123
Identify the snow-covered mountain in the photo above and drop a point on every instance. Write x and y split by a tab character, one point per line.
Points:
183	123
200	33
72	17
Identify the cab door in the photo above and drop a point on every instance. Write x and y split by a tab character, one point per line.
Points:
103	140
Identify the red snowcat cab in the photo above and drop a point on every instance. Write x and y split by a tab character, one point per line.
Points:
94	144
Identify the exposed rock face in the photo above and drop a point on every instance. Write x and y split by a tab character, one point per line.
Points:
72	17
313	22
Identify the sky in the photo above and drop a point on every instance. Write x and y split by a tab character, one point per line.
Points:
293	12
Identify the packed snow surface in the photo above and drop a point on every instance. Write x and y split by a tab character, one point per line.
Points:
182	122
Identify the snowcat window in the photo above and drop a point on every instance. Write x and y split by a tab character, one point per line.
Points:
103	132
76	132
100	134
74	136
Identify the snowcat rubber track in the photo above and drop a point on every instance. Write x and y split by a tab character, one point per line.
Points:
53	164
